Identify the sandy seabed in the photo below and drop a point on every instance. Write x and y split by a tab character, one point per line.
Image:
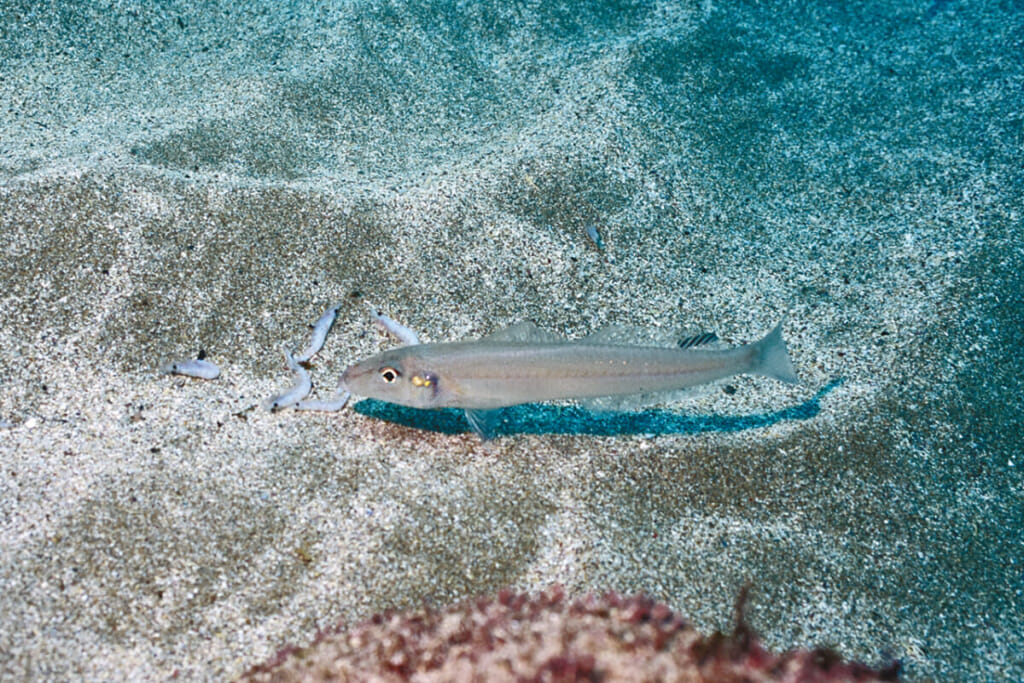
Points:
183	179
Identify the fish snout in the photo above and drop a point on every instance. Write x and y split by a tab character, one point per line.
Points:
354	376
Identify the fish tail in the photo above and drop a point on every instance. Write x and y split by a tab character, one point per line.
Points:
771	358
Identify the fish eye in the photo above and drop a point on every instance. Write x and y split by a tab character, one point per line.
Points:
389	374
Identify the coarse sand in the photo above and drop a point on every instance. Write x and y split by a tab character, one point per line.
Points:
183	178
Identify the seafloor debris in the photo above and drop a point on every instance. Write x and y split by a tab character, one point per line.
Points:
517	637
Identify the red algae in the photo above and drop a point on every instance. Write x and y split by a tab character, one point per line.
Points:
546	637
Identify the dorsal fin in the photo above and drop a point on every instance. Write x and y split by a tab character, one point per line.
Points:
699	339
522	332
619	335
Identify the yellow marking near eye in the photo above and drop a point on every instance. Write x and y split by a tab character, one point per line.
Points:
421	381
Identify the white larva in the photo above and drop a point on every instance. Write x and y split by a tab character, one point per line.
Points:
300	390
201	369
401	332
326	406
320	330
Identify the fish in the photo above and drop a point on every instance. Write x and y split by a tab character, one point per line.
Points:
525	364
591	232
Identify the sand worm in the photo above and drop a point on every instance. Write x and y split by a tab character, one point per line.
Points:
320	330
201	369
300	390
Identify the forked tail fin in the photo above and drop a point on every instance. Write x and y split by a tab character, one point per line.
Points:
772	358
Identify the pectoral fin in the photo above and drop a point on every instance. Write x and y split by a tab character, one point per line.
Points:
484	423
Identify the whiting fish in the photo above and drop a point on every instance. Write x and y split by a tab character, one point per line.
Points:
524	364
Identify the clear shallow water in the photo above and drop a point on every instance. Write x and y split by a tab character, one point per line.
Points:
177	177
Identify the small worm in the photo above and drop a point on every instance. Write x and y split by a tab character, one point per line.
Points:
401	332
326	406
320	330
300	390
202	369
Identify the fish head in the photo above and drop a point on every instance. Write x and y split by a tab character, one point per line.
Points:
394	376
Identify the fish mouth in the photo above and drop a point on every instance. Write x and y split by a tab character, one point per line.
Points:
351	373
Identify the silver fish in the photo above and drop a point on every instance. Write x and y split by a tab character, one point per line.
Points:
524	364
